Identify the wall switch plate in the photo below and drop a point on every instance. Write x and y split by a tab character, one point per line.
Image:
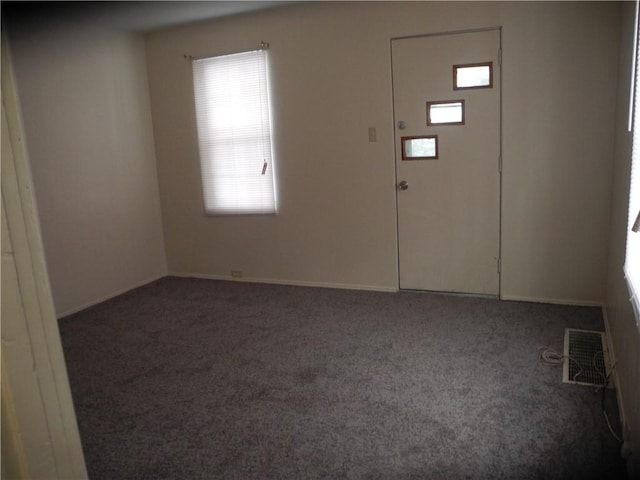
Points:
373	137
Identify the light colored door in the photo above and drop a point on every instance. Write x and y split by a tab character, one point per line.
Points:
449	206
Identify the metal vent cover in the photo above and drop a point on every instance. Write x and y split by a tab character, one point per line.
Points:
587	358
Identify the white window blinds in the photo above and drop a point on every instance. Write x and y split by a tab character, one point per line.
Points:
632	260
234	133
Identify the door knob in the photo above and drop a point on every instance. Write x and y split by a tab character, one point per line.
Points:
402	124
403	185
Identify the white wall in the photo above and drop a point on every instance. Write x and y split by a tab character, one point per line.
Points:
330	76
84	94
559	110
623	332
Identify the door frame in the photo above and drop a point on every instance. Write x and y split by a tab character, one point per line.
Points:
500	160
38	415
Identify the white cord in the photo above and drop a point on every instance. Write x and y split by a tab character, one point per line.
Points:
604	386
606	417
552	358
602	374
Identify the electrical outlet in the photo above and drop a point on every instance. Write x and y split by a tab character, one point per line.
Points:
236	273
373	137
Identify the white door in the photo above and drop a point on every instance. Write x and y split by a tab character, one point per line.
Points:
446	93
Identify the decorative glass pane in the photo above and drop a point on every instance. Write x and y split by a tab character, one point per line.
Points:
414	148
476	75
445	113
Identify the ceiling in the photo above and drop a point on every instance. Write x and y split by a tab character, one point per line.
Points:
136	16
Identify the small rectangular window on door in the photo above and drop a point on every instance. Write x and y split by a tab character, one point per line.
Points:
420	148
473	75
449	112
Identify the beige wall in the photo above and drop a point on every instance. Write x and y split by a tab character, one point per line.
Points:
559	109
624	335
85	99
89	132
331	80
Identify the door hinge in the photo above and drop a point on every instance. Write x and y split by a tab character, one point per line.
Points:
500	164
499	265
499	56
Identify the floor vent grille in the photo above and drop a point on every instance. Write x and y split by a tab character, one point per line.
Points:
586	358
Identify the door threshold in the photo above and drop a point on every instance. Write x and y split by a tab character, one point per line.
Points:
452	294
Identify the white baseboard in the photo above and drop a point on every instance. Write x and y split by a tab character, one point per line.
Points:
553	301
295	283
109	296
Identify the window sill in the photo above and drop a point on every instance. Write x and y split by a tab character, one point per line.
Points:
633	286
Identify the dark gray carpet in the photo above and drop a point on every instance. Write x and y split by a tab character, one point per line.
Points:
201	379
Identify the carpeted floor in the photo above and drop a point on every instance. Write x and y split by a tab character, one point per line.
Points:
201	379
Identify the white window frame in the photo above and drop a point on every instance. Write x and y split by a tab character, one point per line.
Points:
231	95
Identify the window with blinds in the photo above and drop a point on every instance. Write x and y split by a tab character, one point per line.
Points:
632	260
234	133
